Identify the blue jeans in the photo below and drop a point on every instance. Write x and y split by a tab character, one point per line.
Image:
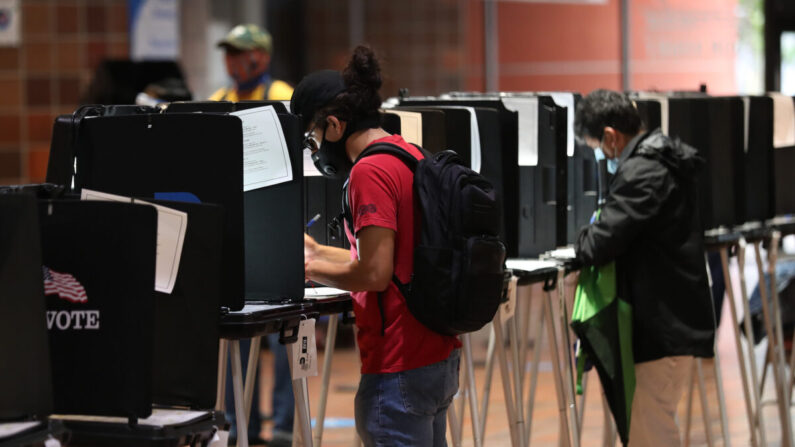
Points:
408	408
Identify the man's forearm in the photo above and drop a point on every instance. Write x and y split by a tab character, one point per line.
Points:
332	254
346	276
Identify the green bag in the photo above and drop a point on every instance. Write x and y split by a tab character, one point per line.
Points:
603	323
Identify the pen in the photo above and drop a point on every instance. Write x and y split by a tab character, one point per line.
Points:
313	220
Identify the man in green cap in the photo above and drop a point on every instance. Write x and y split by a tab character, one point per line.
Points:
248	51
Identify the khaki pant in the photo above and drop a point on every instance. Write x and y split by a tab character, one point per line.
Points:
658	389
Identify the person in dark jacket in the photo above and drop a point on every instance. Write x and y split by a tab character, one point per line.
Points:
650	227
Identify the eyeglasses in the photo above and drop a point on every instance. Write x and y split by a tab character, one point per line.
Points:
310	143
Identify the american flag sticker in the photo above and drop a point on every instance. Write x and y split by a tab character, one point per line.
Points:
64	285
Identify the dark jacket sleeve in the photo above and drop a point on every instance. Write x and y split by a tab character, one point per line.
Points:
637	195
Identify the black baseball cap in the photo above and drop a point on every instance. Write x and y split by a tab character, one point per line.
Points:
315	91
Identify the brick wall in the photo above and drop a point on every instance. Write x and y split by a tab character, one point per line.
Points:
62	43
419	42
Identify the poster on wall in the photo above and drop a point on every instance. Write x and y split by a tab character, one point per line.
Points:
154	29
10	19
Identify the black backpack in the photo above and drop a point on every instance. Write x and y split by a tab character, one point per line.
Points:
459	260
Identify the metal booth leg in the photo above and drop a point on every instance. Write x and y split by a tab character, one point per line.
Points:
534	367
331	339
518	371
251	375
558	375
749	387
484	403
237	386
473	392
516	438
775	350
749	403
702	393
220	395
304	420
567	362
751	342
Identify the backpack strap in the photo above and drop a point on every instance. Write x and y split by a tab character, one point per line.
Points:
347	214
381	148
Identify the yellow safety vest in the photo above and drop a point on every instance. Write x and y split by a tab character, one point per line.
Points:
277	91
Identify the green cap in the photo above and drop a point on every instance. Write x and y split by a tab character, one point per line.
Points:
247	37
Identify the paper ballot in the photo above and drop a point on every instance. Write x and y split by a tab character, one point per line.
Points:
266	159
171	227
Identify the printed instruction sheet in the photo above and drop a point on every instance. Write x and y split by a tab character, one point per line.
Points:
266	159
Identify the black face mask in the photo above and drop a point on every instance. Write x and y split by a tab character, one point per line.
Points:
331	159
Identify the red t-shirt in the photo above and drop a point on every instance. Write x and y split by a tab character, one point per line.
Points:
381	193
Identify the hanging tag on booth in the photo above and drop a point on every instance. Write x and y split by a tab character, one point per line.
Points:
220	439
304	351
508	308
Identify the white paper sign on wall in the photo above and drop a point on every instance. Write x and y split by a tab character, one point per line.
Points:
154	29
10	23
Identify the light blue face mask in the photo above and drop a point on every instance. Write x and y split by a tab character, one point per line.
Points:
612	163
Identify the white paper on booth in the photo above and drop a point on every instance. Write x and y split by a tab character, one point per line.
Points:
529	265
171	227
527	109
410	126
10	429
266	159
87	194
663	101
565	99
310	170
746	121
474	136
323	292
783	120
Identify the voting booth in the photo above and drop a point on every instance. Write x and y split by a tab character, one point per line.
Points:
99	271
783	152
202	157
26	394
130	332
531	179
734	135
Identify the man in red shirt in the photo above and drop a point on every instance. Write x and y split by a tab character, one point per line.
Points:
409	372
